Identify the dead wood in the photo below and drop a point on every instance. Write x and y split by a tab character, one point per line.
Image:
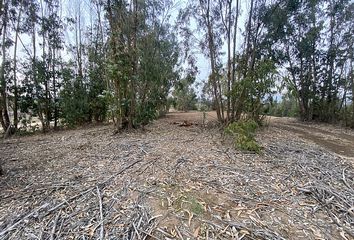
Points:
172	183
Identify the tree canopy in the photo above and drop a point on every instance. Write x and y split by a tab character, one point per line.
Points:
71	63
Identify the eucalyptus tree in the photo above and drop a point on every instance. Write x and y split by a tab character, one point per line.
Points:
184	96
52	39
207	16
243	83
313	44
142	58
42	75
4	113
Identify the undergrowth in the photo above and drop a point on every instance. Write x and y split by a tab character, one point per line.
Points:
243	133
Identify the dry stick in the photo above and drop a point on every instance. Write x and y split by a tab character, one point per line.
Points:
344	180
334	217
91	188
54	226
149	234
165	233
19	221
178	232
101	213
136	231
67	201
43	229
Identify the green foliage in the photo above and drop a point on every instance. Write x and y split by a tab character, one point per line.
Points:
244	134
143	54
74	101
96	88
184	96
28	126
286	107
314	39
189	202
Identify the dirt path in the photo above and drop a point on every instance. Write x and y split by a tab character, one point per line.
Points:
178	179
336	140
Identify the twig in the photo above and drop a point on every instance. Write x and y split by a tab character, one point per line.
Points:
164	232
91	188
136	231
149	234
54	226
19	221
344	180
178	232
67	201
101	213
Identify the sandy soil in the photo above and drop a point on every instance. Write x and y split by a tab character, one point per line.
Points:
177	182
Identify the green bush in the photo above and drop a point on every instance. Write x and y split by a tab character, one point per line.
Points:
244	133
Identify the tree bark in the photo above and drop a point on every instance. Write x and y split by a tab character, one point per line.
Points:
212	56
4	115
248	55
233	98
15	71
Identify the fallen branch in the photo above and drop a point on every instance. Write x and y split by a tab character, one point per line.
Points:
101	213
54	226
21	220
65	202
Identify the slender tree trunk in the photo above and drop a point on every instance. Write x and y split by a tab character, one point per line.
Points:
1	13
330	99
15	71
212	56
5	119
78	47
134	68
233	98
45	58
352	78
55	92
247	64
229	60
293	79
117	86
34	69
352	102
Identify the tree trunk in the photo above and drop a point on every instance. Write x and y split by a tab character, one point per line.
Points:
15	71
34	66
229	71
46	110
240	101
212	54
55	92
352	77
131	114
5	119
233	98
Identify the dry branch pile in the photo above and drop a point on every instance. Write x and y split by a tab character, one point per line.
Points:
172	183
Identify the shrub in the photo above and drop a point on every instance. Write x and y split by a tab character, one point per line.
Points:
244	132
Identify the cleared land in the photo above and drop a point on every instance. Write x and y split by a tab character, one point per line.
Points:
178	182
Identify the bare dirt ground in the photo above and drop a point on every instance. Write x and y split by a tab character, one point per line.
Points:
177	182
338	140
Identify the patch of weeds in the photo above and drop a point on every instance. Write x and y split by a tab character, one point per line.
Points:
244	134
190	203
195	206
